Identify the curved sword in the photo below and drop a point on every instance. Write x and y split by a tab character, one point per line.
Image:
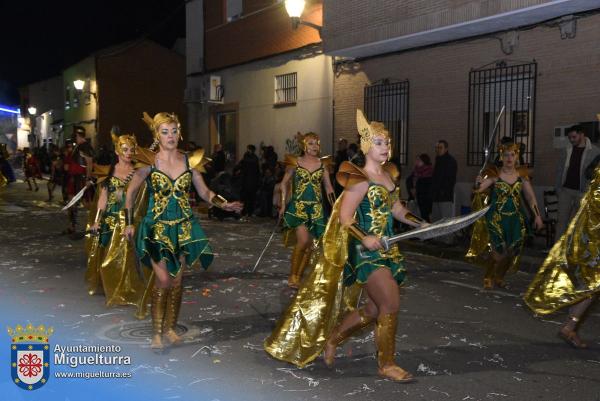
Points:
439	228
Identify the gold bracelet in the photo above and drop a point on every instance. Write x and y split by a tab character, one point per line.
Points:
282	197
218	201
331	198
99	213
415	219
356	231
536	211
128	217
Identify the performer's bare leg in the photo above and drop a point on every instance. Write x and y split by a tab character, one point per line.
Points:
568	331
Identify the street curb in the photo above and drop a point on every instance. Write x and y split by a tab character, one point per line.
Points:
529	263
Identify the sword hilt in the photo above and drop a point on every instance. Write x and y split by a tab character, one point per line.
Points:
385	243
360	249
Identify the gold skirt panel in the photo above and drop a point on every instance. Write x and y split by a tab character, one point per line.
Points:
571	272
301	332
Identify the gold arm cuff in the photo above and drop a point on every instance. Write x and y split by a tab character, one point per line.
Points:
282	197
415	219
357	232
218	201
99	213
536	210
331	198
128	217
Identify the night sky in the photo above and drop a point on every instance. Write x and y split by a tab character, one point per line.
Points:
40	38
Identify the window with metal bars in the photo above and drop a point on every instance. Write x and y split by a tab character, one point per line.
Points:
490	89
286	89
387	102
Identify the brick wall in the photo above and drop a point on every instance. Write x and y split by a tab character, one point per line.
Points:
259	35
567	90
354	22
145	77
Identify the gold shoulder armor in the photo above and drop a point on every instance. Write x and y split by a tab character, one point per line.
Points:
144	157
197	160
350	174
525	172
327	162
100	171
392	170
490	171
290	161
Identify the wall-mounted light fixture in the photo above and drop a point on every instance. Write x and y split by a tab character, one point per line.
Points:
79	84
295	8
32	110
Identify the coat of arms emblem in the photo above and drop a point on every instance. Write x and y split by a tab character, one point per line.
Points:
30	355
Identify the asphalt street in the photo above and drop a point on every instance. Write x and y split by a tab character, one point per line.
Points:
460	342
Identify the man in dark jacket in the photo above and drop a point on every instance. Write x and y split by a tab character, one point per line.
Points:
442	184
250	173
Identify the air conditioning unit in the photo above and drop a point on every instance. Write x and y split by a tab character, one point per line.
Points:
560	139
216	91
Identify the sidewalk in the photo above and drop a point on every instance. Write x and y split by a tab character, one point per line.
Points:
531	257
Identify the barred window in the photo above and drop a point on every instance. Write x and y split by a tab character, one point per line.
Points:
286	89
491	89
387	102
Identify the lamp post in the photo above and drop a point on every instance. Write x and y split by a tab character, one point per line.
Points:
32	137
295	8
79	86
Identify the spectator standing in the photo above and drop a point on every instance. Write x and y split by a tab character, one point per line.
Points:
421	179
571	182
250	175
442	184
218	159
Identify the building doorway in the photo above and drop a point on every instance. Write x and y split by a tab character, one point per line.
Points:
226	123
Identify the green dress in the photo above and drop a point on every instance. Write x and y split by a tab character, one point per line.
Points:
306	204
169	230
374	216
506	220
115	191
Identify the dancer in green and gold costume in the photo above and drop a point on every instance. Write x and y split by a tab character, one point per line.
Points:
169	236
570	275
361	216
304	213
499	246
111	258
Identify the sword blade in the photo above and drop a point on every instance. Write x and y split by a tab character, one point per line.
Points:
76	198
439	228
267	245
491	141
138	266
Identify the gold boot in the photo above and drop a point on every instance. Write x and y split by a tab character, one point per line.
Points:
172	313
385	338
297	256
159	303
337	336
490	273
501	269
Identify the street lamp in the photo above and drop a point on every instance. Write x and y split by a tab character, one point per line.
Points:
32	137
79	84
294	9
